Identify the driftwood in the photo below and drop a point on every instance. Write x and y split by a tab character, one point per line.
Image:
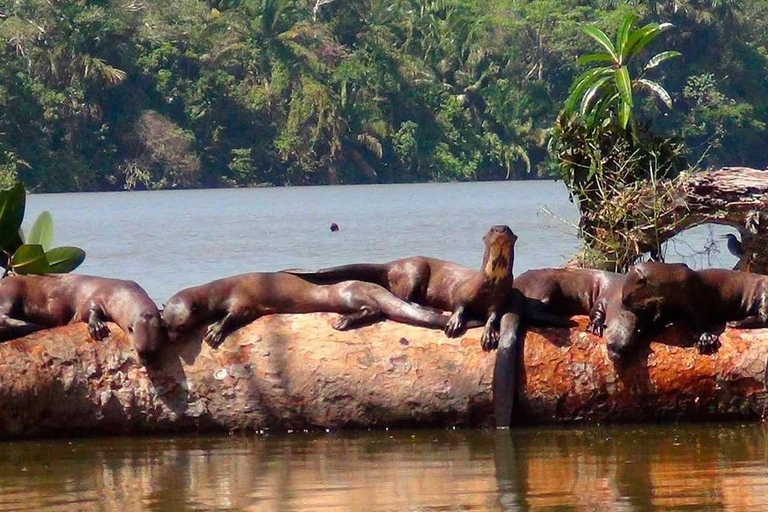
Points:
295	372
651	215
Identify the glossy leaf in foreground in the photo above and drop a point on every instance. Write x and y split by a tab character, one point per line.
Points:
42	231
12	204
30	259
62	260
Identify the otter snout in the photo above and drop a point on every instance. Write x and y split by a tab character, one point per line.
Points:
147	334
620	335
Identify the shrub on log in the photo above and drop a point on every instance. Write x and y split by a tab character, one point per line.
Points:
295	372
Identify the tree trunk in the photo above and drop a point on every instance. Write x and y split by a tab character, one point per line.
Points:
295	372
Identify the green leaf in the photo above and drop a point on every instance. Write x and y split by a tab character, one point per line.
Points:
63	260
625	113
657	89
30	259
42	231
594	57
624	85
623	33
599	36
639	39
661	57
12	204
582	84
590	94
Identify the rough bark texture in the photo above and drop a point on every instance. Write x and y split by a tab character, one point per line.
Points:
295	371
732	196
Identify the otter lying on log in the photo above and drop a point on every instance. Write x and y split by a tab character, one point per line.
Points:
564	292
35	302
230	303
443	285
295	371
707	299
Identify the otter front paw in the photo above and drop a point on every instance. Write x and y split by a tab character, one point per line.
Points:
708	343
596	327
214	336
98	330
490	339
454	326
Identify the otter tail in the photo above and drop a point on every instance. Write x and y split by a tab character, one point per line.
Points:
404	312
368	272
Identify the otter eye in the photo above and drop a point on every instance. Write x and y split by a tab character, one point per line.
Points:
130	330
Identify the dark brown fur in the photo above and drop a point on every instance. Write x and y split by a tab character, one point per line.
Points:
564	292
32	303
228	304
707	299
443	285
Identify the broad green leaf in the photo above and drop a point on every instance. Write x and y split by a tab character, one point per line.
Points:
657	89
12	204
625	113
624	85
591	93
639	39
623	33
42	231
594	57
30	259
599	36
661	57
63	260
582	85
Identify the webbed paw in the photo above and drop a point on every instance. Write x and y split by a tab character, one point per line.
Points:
98	330
214	336
596	327
454	325
489	340
708	343
343	323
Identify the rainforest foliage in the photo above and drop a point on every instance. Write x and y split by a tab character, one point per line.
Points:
124	94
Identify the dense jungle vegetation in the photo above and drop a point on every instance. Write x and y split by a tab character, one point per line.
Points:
124	94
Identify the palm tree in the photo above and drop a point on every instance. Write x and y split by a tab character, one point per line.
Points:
610	86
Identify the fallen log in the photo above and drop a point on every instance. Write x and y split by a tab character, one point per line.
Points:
295	372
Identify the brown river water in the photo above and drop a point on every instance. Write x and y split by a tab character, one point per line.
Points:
172	239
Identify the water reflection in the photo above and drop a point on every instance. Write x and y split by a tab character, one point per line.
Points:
618	468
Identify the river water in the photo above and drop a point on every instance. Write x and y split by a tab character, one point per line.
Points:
172	239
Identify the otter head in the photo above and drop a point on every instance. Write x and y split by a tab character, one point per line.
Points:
499	257
180	315
146	332
621	334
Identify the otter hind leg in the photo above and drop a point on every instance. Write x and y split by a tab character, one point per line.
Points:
11	328
366	315
755	321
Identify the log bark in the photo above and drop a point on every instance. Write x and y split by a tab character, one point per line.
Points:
732	196
295	372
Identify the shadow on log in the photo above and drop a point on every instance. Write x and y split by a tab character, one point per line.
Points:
295	372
